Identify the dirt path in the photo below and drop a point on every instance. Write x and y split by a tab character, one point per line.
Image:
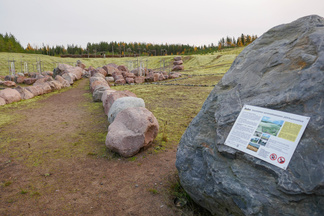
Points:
53	162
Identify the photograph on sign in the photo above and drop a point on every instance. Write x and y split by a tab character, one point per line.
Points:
267	134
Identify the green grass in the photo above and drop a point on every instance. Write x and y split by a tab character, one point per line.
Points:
218	62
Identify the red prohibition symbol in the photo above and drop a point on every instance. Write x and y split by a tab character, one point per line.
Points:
273	156
281	160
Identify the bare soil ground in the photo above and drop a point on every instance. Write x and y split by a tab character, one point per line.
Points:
53	162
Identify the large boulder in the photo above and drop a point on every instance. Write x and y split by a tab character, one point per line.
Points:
20	79
9	83
55	85
63	81
64	68
24	93
177	67
105	94
35	90
97	84
180	62
122	68
98	92
102	71
68	77
111	98
123	103
281	70
110	69
177	58
133	129
10	95
30	81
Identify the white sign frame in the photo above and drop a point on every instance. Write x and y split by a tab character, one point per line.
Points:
267	134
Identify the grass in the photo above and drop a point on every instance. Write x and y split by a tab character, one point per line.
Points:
218	62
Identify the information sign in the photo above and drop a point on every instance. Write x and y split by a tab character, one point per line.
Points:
269	135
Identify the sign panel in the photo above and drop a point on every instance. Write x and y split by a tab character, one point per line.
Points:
269	135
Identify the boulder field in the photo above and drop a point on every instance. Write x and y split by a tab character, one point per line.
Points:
281	70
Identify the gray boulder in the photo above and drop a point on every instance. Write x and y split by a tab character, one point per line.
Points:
281	70
68	77
98	91
123	103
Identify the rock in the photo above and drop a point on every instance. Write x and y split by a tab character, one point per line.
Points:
55	85
110	69
9	83
29	81
130	75
39	76
43	80
281	70
86	74
47	73
102	71
80	64
20	79
110	79
98	91
46	87
97	78
63	81
114	96
64	68
177	67
98	75
68	77
120	81
175	75
132	130
117	74
180	62
177	58
35	90
112	65
123	103
10	95
2	101
24	93
10	78
105	95
139	79
129	80
97	83
122	68
90	68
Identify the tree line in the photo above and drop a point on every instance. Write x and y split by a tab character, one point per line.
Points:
8	43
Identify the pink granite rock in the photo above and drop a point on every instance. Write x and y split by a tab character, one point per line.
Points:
24	93
133	129
111	98
139	79
10	95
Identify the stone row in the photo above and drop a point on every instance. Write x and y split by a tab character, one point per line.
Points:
132	127
63	76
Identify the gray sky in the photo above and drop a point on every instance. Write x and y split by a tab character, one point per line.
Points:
195	22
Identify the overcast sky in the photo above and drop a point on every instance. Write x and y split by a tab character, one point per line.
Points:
195	22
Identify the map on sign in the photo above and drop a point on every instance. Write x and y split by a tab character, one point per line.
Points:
269	135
